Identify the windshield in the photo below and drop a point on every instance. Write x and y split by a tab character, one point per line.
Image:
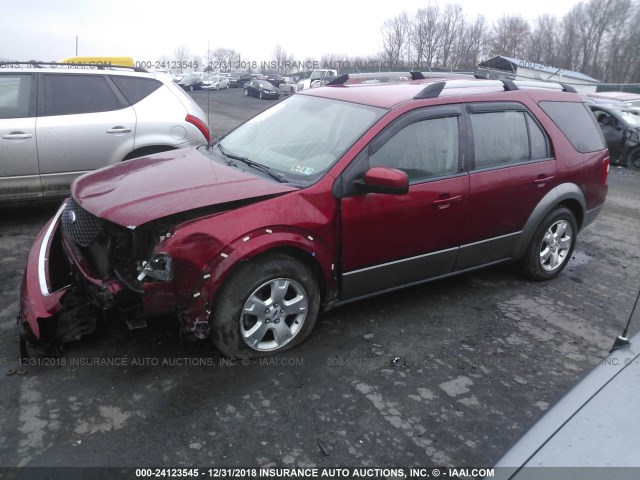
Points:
301	137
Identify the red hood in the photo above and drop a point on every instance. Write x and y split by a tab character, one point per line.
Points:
138	191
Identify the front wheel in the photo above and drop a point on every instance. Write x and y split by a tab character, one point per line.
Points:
260	95
551	246
217	87
246	92
268	306
191	88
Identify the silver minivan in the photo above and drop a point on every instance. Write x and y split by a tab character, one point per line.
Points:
59	121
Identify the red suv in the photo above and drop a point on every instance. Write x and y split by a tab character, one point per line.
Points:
330	196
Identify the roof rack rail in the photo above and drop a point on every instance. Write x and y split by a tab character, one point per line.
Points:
427	75
454	86
99	66
535	84
382	77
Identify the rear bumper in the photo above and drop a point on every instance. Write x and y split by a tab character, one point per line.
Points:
591	215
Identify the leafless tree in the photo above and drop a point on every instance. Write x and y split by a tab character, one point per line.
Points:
181	55
282	59
473	46
544	41
224	58
426	36
395	38
510	36
451	27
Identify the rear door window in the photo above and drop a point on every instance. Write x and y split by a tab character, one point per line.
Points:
507	137
74	94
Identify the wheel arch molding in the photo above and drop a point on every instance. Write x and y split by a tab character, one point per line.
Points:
298	244
567	195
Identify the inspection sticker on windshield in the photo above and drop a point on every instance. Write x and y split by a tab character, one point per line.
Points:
302	170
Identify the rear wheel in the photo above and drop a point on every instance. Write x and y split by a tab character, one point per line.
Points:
268	306
551	246
217	87
246	92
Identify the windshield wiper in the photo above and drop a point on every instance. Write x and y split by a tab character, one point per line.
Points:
258	166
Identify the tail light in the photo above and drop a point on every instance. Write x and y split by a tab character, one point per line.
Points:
605	171
200	125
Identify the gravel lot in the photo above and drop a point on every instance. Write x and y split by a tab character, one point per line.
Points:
449	373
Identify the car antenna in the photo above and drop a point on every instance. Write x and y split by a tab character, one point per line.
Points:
622	340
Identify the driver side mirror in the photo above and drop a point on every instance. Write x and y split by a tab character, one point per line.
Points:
383	180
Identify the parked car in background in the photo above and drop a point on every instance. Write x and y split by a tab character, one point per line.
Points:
215	82
287	86
621	129
85	119
261	89
238	79
317	79
275	80
332	195
191	82
627	99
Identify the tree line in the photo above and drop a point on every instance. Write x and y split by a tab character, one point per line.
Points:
599	38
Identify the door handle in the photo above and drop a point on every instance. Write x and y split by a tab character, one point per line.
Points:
119	130
542	181
16	136
443	203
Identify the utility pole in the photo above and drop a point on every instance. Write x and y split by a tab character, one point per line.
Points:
76	45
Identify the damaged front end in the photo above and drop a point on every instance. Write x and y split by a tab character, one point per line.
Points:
81	266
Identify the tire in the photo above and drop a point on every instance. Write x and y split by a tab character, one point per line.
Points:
227	86
246	92
633	159
285	296
191	88
217	87
260	95
551	246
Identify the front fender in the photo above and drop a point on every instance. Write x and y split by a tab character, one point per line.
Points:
196	316
567	193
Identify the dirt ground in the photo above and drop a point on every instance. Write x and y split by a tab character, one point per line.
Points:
449	373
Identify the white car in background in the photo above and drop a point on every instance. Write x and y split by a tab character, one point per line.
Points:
58	123
216	82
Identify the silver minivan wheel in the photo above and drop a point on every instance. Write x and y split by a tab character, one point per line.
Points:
556	245
273	314
269	305
551	245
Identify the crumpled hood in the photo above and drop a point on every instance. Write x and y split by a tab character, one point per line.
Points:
138	191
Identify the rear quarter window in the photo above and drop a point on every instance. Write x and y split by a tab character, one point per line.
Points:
135	89
577	123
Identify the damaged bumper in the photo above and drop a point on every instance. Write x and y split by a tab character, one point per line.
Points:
61	295
41	292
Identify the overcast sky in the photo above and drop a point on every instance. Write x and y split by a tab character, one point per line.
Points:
148	30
